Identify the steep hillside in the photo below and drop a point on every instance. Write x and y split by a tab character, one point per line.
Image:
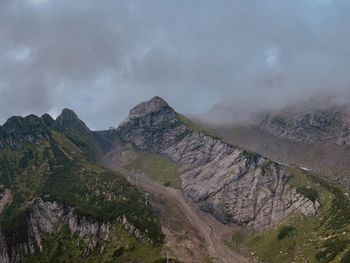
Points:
312	134
327	159
325	238
241	187
234	185
56	204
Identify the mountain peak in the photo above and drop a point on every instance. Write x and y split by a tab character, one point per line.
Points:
47	120
147	107
68	119
18	130
153	113
68	114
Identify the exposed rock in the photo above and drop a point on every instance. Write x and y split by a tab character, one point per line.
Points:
68	119
310	125
232	184
18	130
147	107
47	120
47	217
5	199
32	158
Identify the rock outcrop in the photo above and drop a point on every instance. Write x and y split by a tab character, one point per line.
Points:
17	131
232	184
45	218
69	120
310	125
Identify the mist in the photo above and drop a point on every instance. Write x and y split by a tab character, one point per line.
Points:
100	58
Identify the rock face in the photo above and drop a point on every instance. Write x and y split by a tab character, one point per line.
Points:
43	218
232	184
18	130
310	125
46	218
5	199
145	108
68	119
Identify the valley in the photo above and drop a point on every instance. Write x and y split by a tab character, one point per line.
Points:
190	234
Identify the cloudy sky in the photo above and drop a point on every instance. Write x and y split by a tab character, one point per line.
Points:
100	58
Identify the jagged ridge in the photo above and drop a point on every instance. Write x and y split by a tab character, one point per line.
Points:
17	130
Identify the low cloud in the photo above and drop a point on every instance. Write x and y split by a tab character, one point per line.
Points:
102	57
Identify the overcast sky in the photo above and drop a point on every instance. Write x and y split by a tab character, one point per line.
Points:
102	57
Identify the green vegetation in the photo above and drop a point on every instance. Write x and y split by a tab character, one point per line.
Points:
83	141
285	231
61	170
308	192
322	238
63	247
158	167
346	257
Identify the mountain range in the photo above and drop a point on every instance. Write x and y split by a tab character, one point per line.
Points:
162	187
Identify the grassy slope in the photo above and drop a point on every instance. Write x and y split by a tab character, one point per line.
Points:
60	171
158	167
322	238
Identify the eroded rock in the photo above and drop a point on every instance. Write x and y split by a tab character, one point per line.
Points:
230	183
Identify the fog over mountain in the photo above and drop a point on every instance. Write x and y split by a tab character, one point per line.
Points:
102	57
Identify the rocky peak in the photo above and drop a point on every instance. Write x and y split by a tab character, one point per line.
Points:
235	186
144	108
148	120
47	120
18	130
68	119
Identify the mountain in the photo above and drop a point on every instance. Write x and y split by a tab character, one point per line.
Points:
159	184
57	204
241	187
312	134
310	125
232	184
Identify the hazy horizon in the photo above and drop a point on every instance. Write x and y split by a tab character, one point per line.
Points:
102	58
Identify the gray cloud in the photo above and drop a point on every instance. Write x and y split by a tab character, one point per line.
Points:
102	57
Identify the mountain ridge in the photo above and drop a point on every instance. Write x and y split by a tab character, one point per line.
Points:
163	132
58	192
56	166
